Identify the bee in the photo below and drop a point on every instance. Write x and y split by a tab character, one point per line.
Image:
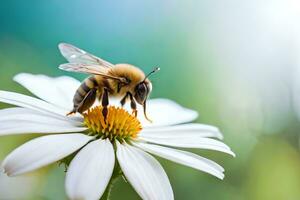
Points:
121	80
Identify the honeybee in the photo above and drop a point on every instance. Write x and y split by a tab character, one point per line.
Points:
121	80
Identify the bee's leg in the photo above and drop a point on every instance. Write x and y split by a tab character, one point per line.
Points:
73	111
145	113
105	103
87	102
123	100
133	105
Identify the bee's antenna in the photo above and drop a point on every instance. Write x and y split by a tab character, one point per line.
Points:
156	69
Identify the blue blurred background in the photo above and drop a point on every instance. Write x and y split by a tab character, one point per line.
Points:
236	62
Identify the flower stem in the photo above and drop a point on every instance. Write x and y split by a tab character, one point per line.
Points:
116	174
107	191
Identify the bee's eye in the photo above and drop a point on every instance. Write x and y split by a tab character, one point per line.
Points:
141	88
141	92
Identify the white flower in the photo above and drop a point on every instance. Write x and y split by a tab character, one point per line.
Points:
91	169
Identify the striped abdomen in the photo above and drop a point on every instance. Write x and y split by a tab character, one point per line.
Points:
85	95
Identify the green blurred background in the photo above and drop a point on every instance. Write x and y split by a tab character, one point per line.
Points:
235	62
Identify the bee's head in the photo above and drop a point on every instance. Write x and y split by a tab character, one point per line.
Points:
143	89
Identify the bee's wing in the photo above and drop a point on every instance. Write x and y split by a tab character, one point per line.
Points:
76	55
88	69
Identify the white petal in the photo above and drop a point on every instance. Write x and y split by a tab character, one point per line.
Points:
58	91
27	115
164	112
42	151
183	130
17	127
144	173
23	121
31	103
90	171
184	158
17	110
201	143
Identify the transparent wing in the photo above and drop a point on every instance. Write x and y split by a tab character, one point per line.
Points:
76	55
88	69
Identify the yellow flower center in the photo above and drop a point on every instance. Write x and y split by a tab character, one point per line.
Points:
119	124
